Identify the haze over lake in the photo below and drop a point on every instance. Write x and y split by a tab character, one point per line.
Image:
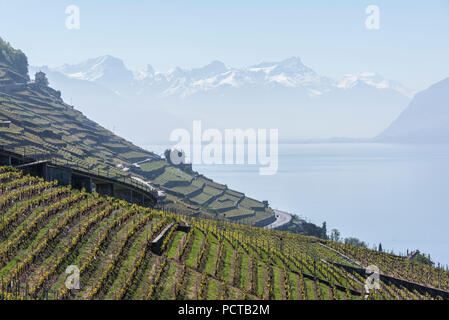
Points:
390	193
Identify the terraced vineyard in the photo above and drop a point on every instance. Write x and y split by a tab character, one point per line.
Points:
45	228
44	127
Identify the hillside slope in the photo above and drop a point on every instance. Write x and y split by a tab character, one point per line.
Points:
426	119
43	126
124	251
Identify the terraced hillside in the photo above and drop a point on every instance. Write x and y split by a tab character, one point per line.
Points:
45	228
35	121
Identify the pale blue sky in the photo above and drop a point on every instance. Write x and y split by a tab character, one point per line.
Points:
412	45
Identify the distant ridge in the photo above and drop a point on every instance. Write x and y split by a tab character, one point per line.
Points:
285	94
425	120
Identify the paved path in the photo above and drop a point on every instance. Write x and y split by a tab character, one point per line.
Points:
281	219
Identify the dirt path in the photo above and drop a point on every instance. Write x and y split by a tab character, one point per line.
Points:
298	287
315	290
249	275
180	245
152	273
197	281
215	264
265	289
281	284
232	267
177	279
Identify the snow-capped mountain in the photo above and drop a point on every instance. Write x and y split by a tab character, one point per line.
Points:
288	73
95	69
106	70
283	94
372	79
148	72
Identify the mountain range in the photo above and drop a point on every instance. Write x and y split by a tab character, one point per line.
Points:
289	73
286	94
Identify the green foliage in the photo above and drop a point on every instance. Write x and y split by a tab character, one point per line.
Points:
46	228
355	242
335	235
14	58
324	231
299	226
422	258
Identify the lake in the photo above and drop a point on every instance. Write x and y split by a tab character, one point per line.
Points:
397	195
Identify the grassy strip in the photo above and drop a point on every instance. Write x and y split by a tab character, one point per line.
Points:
197	239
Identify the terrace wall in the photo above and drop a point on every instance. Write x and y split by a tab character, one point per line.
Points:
266	221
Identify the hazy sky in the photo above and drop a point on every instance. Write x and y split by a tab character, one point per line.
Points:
411	46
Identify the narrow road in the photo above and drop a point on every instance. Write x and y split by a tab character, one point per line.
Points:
281	219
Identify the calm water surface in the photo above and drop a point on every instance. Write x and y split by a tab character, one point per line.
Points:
394	194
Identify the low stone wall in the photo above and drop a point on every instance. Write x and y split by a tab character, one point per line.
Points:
224	210
266	221
398	282
243	216
183	228
172	184
156	244
13	87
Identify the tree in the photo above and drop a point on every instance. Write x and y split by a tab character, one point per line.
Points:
14	58
324	231
335	235
380	247
422	258
167	154
355	242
